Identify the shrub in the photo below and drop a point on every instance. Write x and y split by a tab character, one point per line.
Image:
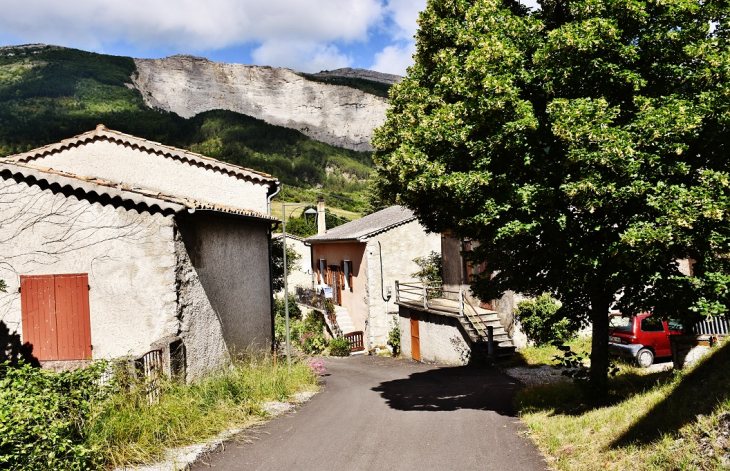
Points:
340	347
314	322
542	321
431	268
280	308
394	337
43	417
313	343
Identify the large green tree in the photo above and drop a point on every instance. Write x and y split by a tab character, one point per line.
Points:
584	145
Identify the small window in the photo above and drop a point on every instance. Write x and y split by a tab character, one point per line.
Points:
322	271
347	266
652	324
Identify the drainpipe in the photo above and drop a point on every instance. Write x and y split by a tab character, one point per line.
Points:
385	297
321	221
277	189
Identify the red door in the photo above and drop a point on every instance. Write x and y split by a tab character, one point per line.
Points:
415	338
55	316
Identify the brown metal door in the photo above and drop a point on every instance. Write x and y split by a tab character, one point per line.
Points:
415	338
55	316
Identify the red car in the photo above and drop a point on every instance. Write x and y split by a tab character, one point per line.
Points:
642	337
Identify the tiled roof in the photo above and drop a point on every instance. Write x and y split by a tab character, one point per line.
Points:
102	133
95	186
368	226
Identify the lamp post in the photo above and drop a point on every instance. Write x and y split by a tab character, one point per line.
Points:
307	212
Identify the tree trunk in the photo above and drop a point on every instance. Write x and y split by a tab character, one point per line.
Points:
600	304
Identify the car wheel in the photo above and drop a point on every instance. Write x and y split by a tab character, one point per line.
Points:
645	358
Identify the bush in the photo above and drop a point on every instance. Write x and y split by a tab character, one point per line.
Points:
394	337
313	343
43	417
542	321
280	308
340	347
431	268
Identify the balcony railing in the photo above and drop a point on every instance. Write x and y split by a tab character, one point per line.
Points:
433	297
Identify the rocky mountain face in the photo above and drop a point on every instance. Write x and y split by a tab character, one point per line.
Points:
361	74
338	115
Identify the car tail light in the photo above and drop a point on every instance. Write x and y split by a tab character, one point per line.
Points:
632	339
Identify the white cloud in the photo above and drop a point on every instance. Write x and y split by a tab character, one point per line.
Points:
301	56
404	14
394	59
190	24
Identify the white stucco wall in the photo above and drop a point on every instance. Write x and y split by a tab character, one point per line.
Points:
140	169
301	272
129	258
400	246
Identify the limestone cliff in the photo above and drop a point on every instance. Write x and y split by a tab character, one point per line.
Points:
187	85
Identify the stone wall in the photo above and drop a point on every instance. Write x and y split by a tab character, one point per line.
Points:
399	246
442	339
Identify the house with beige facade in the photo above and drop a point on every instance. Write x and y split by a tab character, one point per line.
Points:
358	264
113	246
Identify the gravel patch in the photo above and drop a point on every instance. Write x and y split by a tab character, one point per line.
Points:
533	376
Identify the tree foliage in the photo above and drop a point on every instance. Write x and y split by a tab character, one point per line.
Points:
543	322
584	145
277	262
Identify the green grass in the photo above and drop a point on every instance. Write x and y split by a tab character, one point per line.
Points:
545	354
126	430
643	421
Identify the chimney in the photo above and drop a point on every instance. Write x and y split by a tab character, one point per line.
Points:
321	223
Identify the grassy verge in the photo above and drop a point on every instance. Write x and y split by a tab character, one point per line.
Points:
91	427
544	355
645	420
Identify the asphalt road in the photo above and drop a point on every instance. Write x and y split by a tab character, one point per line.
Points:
378	414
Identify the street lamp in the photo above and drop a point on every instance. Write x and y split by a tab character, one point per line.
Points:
308	212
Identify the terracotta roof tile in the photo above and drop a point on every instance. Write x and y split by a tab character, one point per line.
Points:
102	133
125	192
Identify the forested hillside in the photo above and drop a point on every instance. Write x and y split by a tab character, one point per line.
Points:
49	93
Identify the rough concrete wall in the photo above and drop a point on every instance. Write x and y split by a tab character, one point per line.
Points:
341	116
137	168
129	257
356	300
301	273
400	246
505	307
441	339
200	327
231	258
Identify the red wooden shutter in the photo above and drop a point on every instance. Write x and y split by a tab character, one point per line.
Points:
72	317
55	316
38	308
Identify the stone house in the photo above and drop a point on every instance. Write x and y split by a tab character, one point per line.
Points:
300	274
360	262
113	246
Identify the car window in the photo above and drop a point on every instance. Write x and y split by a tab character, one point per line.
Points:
620	323
652	324
674	324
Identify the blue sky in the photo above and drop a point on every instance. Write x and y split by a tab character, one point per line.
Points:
305	35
